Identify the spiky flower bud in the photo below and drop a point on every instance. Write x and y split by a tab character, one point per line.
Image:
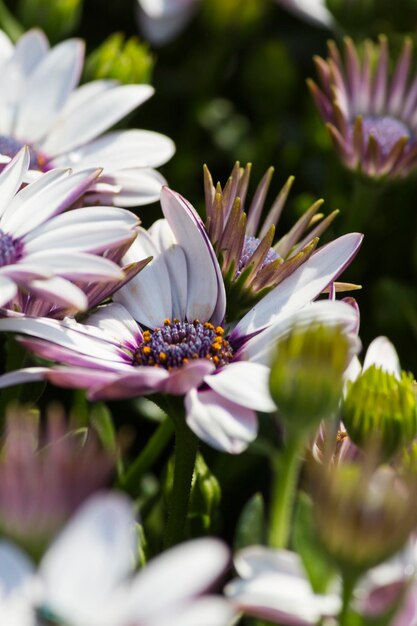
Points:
362	515
306	378
126	61
380	408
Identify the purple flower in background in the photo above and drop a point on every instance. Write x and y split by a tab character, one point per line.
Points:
167	334
41	106
86	577
371	116
46	475
44	251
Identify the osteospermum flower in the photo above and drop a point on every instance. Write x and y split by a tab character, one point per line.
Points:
371	116
45	474
41	106
43	250
252	262
167	333
86	577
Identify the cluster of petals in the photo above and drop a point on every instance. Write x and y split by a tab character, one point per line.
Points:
86	577
184	282
371	116
44	249
41	106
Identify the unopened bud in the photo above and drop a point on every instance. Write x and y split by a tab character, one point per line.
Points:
362	515
307	374
381	410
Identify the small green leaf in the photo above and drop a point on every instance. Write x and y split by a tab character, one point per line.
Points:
251	527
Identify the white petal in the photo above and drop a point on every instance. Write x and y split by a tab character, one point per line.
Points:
219	422
303	285
132	187
162	21
60	291
382	353
204	287
330	312
116	322
95	116
10	180
15	568
52	199
244	383
89	559
207	611
120	150
27	375
147	296
257	559
176	575
48	88
89	229
314	11
78	265
6	47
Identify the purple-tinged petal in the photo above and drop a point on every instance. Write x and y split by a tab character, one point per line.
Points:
302	286
187	377
11	179
206	298
222	424
206	611
142	381
60	291
244	383
27	375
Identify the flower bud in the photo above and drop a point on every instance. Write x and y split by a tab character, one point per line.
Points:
381	409
126	61
204	500
362	515
306	378
57	18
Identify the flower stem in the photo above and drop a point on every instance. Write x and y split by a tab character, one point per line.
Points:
285	467
148	456
347	593
9	23
186	444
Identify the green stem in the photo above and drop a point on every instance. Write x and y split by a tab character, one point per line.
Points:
9	23
285	467
186	444
15	359
150	453
347	593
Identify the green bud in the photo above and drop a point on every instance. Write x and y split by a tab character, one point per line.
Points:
379	409
362	515
233	13
126	61
306	378
57	18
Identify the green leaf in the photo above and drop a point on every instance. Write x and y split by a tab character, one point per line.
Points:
251	526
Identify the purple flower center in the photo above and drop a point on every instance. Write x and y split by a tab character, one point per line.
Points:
250	245
11	250
10	147
386	130
177	342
